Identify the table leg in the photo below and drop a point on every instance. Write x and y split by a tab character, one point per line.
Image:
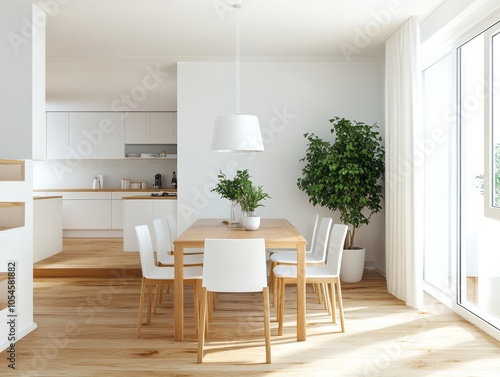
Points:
301	292
178	292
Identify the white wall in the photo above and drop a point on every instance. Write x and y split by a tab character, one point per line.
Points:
16	79
290	99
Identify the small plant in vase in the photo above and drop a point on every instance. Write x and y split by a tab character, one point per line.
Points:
249	200
232	189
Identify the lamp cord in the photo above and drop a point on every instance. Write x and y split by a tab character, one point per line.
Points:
237	8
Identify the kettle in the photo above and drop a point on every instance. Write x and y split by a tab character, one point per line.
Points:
98	182
157	184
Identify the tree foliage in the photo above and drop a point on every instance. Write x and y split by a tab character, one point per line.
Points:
345	175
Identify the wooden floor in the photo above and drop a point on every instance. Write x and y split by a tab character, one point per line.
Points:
87	327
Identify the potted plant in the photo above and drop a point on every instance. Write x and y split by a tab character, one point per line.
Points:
231	189
250	199
345	175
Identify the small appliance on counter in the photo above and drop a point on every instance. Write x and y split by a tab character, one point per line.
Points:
157	184
125	184
98	182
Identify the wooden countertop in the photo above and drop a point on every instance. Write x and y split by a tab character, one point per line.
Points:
106	190
149	197
46	197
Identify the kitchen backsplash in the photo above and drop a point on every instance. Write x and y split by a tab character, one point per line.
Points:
65	174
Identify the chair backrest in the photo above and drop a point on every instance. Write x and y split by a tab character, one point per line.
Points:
172	226
145	250
311	230
234	265
336	248
162	234
320	246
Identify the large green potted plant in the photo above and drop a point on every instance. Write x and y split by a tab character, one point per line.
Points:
345	175
250	199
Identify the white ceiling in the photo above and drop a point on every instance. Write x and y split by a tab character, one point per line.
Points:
86	38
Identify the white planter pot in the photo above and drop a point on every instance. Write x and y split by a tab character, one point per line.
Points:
353	265
251	222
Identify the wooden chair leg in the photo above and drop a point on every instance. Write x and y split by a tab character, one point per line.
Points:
267	326
341	306
326	298
150	298
333	299
196	297
157	297
273	282
141	304
281	305
201	331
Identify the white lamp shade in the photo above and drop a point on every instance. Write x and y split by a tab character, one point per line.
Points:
237	133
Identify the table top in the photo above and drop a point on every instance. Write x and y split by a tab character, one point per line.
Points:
278	233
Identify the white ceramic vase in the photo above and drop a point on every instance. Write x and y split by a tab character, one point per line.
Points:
251	222
353	265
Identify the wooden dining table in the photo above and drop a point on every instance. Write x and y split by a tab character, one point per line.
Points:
277	233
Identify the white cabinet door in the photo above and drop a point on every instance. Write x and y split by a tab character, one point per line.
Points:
135	212
86	214
162	208
162	128
137	128
57	135
110	126
83	138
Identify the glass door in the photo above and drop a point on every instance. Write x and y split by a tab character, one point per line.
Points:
478	97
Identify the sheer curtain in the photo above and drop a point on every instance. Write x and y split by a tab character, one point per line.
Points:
403	165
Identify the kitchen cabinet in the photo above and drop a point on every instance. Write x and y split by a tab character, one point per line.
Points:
143	211
117	207
84	210
47	227
111	127
82	139
85	135
150	128
96	135
57	135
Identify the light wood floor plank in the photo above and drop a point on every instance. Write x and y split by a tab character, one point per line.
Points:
87	327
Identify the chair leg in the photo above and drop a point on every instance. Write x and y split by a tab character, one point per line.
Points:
158	297
326	296
201	330
267	326
150	298
333	298
141	304
273	282
281	305
341	307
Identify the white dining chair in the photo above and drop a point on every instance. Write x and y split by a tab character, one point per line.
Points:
234	265
172	226
164	250
165	256
309	235
322	274
154	275
316	257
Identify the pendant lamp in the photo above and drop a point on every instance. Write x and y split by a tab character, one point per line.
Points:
237	132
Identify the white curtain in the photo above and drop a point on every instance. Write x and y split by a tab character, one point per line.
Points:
403	170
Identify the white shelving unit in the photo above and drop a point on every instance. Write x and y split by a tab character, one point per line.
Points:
16	247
